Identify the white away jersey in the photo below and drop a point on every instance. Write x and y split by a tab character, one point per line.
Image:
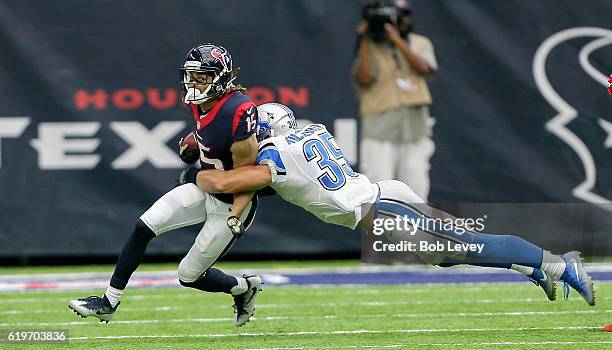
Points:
309	170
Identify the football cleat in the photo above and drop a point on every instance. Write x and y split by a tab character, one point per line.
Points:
548	284
244	304
575	276
95	306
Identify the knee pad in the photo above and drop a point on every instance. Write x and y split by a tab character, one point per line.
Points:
186	273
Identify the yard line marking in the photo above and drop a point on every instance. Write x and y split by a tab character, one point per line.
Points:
315	317
339	332
424	302
298	348
132	297
339	347
362	303
412	315
325	290
125	309
284	289
307	290
439	344
174	308
280	290
546	343
514	343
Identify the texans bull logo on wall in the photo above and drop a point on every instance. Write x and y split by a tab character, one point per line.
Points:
584	119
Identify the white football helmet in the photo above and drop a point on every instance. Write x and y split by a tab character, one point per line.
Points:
274	119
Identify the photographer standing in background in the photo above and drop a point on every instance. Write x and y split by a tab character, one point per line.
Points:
389	70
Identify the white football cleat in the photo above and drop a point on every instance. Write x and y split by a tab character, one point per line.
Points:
95	306
244	304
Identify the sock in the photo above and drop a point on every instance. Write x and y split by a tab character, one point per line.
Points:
113	295
131	255
448	262
241	287
500	251
525	270
552	264
213	280
505	250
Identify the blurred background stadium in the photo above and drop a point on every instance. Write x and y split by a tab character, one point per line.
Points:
90	117
78	76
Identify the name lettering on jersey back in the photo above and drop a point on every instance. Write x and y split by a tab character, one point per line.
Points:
299	135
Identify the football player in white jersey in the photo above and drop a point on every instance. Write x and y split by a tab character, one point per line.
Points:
306	167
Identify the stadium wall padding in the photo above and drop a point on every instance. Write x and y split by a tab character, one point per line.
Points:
75	77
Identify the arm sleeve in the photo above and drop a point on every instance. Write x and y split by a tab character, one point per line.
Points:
245	119
269	155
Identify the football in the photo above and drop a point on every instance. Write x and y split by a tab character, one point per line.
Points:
189	151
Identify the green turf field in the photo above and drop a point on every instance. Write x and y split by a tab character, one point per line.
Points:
456	316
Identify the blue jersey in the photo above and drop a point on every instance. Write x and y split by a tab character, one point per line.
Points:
232	119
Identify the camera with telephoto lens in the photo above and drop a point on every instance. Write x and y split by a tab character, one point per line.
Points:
377	13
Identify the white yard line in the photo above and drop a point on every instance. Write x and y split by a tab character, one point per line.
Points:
390	346
333	304
130	296
338	332
322	317
278	290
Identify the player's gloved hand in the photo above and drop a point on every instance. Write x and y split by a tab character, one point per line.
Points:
235	225
610	85
187	176
187	152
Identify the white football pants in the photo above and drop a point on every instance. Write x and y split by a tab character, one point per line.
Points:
188	205
398	200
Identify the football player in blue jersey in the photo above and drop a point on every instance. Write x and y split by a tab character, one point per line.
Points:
307	168
225	121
